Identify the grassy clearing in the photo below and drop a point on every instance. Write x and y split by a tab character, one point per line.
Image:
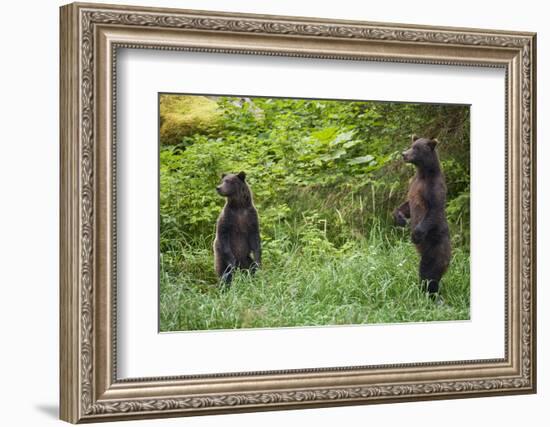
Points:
364	281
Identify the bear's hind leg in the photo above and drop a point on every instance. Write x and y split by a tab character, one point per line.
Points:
224	270
227	275
247	264
250	265
430	275
432	287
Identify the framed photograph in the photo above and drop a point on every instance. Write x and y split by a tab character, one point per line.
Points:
267	212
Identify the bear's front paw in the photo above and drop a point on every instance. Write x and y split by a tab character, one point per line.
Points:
418	235
399	219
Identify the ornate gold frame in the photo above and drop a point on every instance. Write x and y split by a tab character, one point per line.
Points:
90	35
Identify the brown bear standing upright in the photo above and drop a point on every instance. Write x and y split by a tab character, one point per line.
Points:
425	206
237	229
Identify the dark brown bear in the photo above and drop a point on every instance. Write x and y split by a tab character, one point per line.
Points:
425	206
237	229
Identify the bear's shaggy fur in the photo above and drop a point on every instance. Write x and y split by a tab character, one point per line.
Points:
237	229
425	206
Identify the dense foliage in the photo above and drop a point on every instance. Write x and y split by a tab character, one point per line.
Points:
326	176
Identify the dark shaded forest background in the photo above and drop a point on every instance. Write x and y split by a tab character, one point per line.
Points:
326	176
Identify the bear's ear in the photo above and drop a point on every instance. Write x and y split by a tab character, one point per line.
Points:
432	143
414	137
241	175
224	175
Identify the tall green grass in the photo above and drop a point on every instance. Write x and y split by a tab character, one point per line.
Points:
306	280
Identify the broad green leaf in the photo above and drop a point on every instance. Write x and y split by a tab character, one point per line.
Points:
343	137
334	155
360	160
